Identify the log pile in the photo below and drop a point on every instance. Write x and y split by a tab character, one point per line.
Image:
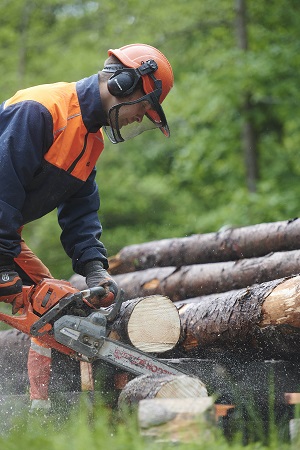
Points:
235	289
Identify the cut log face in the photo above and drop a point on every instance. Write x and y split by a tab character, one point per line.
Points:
154	325
151	324
282	306
161	386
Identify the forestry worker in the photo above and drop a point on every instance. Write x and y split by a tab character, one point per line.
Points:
50	139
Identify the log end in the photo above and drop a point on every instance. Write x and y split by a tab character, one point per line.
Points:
154	325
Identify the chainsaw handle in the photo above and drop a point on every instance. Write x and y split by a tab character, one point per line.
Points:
114	311
93	292
100	291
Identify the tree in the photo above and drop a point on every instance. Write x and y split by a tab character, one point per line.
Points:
151	187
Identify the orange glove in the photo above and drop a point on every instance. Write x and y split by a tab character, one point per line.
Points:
11	289
97	276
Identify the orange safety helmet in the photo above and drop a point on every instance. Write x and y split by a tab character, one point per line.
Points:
133	55
138	61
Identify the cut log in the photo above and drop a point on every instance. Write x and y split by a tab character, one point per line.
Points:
264	317
231	244
161	386
150	324
177	419
204	279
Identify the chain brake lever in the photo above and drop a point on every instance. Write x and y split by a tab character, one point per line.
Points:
114	311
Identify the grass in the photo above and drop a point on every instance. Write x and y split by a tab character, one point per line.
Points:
97	427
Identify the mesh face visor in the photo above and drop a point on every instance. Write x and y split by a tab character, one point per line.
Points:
153	118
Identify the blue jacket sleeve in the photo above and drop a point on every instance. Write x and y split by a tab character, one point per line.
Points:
81	228
26	132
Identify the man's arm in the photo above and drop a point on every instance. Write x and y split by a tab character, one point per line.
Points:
26	132
22	144
81	227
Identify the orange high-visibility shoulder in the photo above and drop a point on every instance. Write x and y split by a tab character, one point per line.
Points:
74	149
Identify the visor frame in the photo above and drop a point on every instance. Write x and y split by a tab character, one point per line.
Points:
156	112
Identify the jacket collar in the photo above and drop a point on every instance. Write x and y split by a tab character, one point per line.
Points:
90	103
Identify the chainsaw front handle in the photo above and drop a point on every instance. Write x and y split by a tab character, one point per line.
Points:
111	313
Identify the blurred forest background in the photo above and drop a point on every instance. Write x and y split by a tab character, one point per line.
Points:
233	156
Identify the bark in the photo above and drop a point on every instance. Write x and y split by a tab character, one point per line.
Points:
204	279
161	386
231	244
209	297
264	318
150	324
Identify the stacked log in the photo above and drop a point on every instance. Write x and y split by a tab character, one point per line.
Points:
161	386
177	420
228	245
180	283
264	318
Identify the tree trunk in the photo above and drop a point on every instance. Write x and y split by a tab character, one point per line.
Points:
264	318
161	386
246	242
204	279
150	324
249	139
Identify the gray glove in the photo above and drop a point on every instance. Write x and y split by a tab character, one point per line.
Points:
96	275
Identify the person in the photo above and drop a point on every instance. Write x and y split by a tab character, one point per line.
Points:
51	137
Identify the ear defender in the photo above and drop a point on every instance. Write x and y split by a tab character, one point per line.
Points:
122	84
124	79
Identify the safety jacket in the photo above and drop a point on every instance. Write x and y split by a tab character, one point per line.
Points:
50	140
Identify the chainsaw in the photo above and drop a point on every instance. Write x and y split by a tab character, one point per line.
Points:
62	317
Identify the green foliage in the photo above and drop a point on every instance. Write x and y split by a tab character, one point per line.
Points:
100	428
194	182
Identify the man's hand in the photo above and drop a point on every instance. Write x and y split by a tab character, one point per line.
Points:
11	289
97	276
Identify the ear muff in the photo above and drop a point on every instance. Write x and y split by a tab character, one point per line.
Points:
125	79
122	83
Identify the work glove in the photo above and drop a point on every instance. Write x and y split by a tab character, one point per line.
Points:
96	275
11	289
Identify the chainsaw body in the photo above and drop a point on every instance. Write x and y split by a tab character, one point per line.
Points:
61	317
